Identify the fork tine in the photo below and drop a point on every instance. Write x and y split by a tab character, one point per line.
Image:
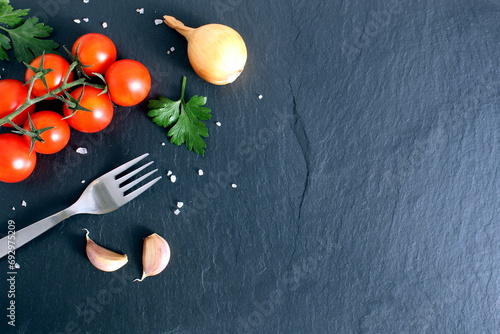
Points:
136	181
142	189
126	165
132	173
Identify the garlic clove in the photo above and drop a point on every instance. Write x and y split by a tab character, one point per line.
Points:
102	258
217	53
155	256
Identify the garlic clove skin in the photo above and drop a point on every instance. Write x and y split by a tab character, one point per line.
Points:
155	256
102	258
217	53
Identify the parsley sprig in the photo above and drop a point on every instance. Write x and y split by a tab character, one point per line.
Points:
183	118
25	36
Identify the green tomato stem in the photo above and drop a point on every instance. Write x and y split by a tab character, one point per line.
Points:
29	102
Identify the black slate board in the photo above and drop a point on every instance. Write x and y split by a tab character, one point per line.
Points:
367	198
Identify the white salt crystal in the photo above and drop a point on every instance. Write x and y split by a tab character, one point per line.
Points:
173	178
162	144
260	97
172	49
180	204
234	185
81	150
86	19
83	181
158	22
104	25
24	203
200	172
169	173
86	1
13	209
218	123
177	211
140	10
77	21
17	266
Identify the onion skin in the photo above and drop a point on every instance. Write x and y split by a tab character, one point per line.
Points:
217	53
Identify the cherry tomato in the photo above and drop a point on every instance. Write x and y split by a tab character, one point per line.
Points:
12	95
56	138
128	82
16	162
95	50
54	79
86	121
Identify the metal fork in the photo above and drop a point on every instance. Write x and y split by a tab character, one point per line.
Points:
103	195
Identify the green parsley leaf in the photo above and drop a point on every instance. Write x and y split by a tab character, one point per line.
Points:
9	16
26	37
26	40
4	45
183	118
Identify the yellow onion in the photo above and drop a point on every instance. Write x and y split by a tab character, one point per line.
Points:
216	52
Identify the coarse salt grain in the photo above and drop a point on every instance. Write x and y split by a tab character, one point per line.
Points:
77	21
234	185
86	1
140	10
158	22
104	25
81	150
169	173
173	178
13	209
200	172
23	203
218	123
172	49
260	97
83	181
85	19
180	204
162	144
17	266
177	211
168	52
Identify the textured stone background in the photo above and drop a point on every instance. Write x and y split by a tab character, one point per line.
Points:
368	177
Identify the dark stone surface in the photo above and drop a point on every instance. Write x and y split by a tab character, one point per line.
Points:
368	177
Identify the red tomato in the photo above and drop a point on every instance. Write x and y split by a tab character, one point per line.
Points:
12	95
54	79
54	139
16	162
86	121
128	82
96	50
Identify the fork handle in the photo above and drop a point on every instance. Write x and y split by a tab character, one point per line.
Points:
32	231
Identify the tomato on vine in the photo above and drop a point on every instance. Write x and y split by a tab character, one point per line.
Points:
12	95
56	134
96	51
92	99
54	79
129	82
16	162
